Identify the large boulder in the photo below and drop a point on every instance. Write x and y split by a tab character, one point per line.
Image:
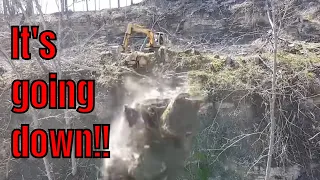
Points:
162	131
180	117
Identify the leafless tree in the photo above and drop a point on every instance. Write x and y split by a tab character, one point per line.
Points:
19	75
62	6
5	4
57	62
32	112
9	7
41	13
273	93
29	8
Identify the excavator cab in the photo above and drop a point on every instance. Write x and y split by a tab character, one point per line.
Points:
154	39
159	38
153	42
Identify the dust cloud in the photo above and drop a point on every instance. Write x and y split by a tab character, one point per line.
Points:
124	155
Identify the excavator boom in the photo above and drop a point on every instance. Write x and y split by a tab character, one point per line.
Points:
134	28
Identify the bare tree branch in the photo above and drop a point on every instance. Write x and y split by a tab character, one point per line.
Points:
273	93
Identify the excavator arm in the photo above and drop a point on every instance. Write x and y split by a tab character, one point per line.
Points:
134	28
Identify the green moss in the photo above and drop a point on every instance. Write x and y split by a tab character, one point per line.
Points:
215	61
294	61
309	17
310	75
203	172
197	62
249	74
197	79
166	112
226	78
314	59
195	90
200	156
193	62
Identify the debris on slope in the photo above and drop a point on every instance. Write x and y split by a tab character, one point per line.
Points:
157	153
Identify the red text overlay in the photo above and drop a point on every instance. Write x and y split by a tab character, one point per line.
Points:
49	50
57	94
59	142
53	94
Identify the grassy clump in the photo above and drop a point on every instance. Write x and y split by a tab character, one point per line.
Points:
217	63
187	61
191	62
297	62
250	74
225	78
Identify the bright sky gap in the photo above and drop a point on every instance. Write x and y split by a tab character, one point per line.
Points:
50	6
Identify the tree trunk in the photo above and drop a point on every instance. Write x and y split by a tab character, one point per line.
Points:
66	5
62	6
118	3
110	4
5	6
11	8
131	2
273	24
41	14
29	8
87	5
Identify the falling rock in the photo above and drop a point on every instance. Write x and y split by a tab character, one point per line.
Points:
180	117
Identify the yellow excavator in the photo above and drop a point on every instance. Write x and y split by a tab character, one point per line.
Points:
155	39
140	59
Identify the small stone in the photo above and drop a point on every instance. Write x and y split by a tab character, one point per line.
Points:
230	62
256	60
